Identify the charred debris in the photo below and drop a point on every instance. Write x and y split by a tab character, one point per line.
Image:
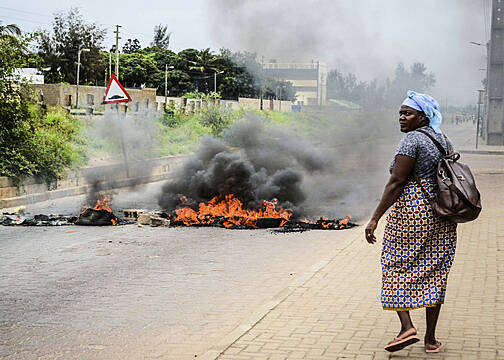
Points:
102	217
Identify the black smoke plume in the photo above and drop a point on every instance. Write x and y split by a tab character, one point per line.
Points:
252	162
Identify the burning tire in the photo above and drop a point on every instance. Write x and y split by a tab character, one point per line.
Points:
92	217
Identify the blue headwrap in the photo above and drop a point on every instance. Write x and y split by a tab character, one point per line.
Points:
427	104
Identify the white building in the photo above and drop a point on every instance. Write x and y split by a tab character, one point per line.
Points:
30	75
308	79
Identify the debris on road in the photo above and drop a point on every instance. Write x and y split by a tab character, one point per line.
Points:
37	220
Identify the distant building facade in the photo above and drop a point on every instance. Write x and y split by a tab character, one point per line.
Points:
495	75
308	79
30	75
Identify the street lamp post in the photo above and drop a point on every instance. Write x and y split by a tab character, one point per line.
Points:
78	73
215	80
280	98
481	94
166	84
480	101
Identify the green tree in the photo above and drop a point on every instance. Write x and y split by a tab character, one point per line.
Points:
205	62
138	68
416	78
279	89
58	50
161	37
346	87
131	46
9	31
242	74
32	142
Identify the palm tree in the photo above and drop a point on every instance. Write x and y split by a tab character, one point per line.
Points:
9	31
206	62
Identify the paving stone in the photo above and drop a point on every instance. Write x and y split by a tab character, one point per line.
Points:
346	293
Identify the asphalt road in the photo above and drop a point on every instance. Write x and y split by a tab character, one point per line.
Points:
128	293
142	293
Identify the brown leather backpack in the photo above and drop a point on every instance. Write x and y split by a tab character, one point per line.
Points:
458	199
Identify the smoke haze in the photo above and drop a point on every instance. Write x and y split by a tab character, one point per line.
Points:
139	131
249	162
340	174
366	37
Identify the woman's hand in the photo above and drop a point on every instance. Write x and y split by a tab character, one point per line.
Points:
370	229
403	167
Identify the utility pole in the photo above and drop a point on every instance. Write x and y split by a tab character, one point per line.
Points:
117	51
78	72
262	76
166	84
109	65
280	98
215	80
319	97
480	101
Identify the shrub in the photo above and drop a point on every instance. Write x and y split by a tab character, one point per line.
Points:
43	144
181	139
215	119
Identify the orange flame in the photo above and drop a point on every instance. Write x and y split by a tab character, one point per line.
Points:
103	204
343	223
231	210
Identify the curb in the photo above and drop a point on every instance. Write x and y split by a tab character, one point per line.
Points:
78	190
214	352
482	152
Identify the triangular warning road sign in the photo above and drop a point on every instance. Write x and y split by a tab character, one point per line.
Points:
115	92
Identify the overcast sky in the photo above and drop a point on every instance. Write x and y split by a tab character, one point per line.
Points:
365	37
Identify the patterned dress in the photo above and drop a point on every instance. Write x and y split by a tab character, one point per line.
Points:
418	247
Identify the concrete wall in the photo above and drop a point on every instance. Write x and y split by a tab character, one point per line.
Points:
91	96
34	190
273	105
192	105
495	76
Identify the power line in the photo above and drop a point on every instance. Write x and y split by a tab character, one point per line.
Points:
22	19
24	11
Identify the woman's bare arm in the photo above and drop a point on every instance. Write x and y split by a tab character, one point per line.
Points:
401	172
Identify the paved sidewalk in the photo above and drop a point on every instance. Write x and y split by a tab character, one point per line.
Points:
336	313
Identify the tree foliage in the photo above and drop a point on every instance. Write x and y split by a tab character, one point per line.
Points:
131	46
234	74
161	37
59	49
32	141
371	94
9	31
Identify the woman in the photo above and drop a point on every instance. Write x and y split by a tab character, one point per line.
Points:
418	247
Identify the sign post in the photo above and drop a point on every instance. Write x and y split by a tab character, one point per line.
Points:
116	94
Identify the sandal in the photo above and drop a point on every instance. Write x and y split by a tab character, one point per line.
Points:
399	343
435	348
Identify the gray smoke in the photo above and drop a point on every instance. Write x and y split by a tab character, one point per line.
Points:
252	162
340	171
139	131
366	37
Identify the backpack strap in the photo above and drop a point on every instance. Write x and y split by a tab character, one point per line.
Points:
441	149
452	187
438	145
447	144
